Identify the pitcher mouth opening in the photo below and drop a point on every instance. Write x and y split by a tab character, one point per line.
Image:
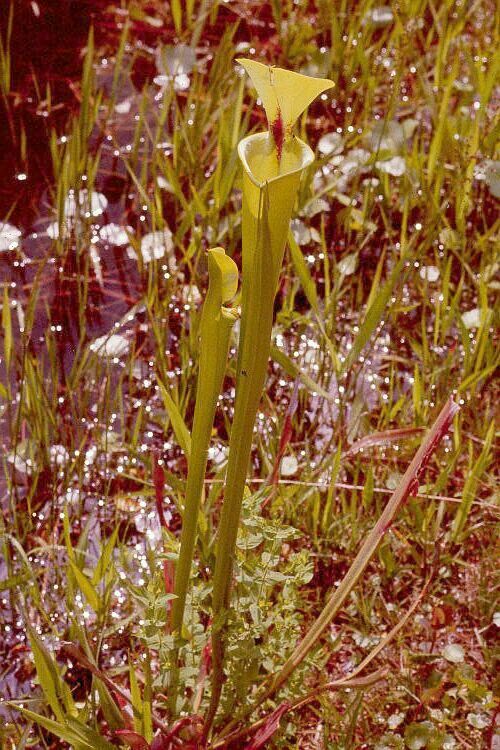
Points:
259	157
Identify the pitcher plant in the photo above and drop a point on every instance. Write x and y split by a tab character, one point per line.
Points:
273	163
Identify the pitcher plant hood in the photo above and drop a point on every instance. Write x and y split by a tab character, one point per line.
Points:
285	95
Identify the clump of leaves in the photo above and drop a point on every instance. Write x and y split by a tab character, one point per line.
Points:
452	696
269	578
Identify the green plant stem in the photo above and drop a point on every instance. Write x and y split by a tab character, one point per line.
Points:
216	324
258	291
207	393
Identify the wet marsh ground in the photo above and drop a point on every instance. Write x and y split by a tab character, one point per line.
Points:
119	169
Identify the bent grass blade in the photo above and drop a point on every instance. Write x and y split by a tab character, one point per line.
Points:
407	486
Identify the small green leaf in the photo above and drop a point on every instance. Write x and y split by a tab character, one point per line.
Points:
418	734
14	581
375	309
87	735
7	327
302	270
181	432
176	9
478	721
47	673
294	371
348	264
109	708
137	705
85	586
105	558
61	730
454	653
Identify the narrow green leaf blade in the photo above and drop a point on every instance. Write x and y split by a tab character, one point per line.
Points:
181	432
374	314
105	558
85	586
47	673
303	273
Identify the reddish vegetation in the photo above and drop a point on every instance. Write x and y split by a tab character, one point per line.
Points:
278	131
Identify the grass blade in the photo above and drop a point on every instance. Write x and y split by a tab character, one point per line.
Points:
179	427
